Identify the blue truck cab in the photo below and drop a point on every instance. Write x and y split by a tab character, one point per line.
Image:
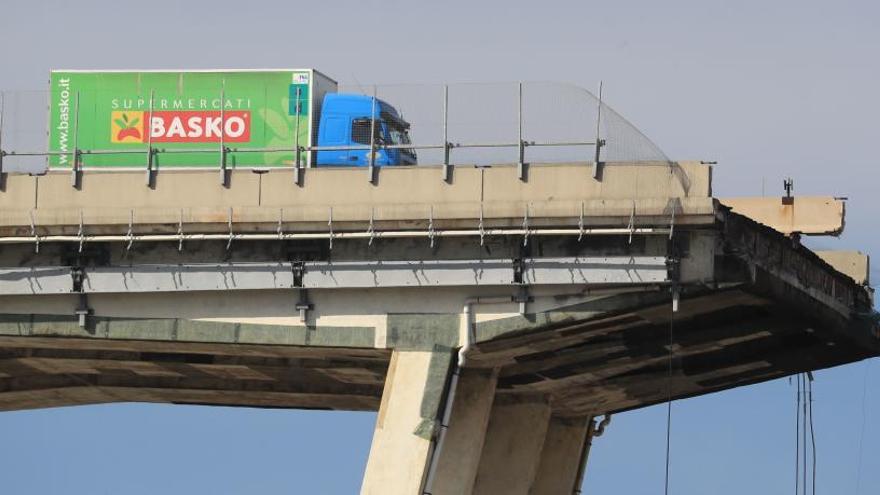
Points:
346	120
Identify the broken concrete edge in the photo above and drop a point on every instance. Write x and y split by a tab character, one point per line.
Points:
854	264
807	215
800	278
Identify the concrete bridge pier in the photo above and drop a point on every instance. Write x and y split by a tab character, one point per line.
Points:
492	445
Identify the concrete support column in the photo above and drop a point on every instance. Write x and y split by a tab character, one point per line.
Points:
561	456
460	457
512	449
406	422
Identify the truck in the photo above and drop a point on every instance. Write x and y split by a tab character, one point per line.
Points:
193	119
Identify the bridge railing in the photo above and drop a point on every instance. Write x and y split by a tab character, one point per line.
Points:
454	124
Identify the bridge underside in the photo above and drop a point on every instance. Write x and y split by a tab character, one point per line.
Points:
586	366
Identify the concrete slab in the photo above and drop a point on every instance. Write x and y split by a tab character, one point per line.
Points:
853	264
808	215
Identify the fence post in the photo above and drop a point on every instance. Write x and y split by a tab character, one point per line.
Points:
75	179
447	168
2	153
521	144
224	176
373	138
297	171
148	125
599	142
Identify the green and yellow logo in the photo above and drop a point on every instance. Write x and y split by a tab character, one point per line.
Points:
126	127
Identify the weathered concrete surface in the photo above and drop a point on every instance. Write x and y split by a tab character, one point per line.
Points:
561	456
808	215
403	435
38	371
458	461
108	200
854	264
512	449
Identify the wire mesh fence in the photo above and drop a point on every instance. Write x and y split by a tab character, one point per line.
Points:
252	126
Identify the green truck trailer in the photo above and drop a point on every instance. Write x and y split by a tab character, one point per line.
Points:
116	117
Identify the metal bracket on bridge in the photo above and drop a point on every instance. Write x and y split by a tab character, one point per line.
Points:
371	231
280	228
303	305
81	233
632	223
330	226
180	233
522	298
431	232
482	230
82	310
130	233
231	233
34	233
581	230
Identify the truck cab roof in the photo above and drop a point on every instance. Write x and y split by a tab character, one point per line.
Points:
361	106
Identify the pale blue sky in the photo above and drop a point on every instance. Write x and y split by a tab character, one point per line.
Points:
768	89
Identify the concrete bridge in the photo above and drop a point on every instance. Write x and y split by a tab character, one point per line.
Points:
487	318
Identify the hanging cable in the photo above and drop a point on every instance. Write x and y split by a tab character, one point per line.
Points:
804	430
862	429
797	438
812	432
669	386
803	426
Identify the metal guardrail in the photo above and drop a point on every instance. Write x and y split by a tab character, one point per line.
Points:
446	144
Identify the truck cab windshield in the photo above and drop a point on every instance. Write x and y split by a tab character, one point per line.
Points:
398	133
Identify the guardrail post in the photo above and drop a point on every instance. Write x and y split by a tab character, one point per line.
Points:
447	168
521	144
148	125
297	170
224	175
599	142
2	153
372	170
76	169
